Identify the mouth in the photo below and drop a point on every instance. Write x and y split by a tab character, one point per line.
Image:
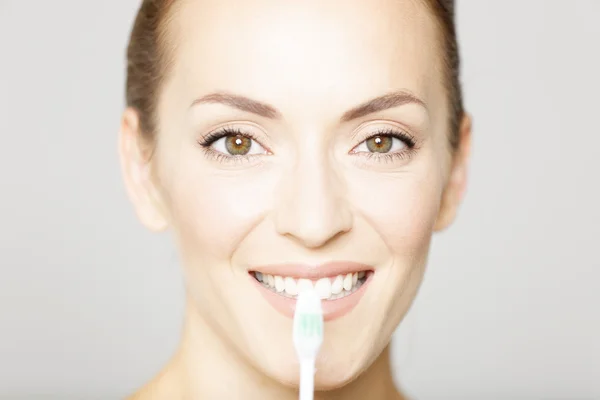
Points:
328	288
340	286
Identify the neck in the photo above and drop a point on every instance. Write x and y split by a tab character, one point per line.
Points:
208	367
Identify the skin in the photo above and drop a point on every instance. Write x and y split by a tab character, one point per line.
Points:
312	192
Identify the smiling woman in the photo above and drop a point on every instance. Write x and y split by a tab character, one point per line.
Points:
287	145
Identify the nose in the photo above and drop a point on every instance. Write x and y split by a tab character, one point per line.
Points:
311	206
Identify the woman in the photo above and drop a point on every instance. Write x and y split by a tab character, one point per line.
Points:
286	142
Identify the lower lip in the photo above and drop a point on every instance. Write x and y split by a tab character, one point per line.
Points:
332	309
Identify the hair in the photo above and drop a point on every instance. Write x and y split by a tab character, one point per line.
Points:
149	57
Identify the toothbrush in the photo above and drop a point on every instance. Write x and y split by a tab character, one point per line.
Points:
308	337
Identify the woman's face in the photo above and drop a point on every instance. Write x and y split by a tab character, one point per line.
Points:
296	138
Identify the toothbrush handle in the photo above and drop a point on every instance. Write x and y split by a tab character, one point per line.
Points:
307	380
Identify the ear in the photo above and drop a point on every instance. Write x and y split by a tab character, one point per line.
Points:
457	182
137	173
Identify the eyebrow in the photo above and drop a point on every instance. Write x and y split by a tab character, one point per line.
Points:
387	101
241	103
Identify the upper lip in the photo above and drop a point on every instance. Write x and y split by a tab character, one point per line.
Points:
313	272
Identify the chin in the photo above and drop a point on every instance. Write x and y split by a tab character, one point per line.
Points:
330	375
335	376
335	367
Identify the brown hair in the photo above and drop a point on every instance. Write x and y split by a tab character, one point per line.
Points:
149	58
444	11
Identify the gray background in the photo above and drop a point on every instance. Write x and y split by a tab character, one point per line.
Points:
91	304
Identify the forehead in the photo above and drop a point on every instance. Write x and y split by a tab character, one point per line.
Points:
317	55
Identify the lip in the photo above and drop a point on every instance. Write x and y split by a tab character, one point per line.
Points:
332	309
313	272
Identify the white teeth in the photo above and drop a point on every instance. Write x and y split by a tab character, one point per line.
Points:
327	288
348	282
304	284
279	284
323	288
338	285
291	287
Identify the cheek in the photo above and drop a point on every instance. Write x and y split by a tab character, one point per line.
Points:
211	213
402	209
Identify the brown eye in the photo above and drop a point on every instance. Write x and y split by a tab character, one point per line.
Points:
384	143
379	144
234	144
238	145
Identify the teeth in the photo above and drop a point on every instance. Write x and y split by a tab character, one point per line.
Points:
323	288
327	288
279	284
304	284
338	285
290	287
348	282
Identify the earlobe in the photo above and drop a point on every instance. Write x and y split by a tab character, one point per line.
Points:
136	171
457	181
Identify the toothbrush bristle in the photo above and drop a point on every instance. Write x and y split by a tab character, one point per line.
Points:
308	325
311	325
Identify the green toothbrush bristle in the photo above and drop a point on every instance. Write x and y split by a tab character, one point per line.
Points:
311	325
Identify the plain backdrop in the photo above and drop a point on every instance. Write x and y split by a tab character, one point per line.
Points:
91	304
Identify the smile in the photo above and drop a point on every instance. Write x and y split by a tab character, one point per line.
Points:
330	288
339	284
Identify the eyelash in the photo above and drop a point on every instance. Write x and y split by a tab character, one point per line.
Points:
207	141
212	137
406	138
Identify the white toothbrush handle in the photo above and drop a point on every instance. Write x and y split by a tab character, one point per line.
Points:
307	379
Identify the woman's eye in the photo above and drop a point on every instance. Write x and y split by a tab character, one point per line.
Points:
237	145
381	144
